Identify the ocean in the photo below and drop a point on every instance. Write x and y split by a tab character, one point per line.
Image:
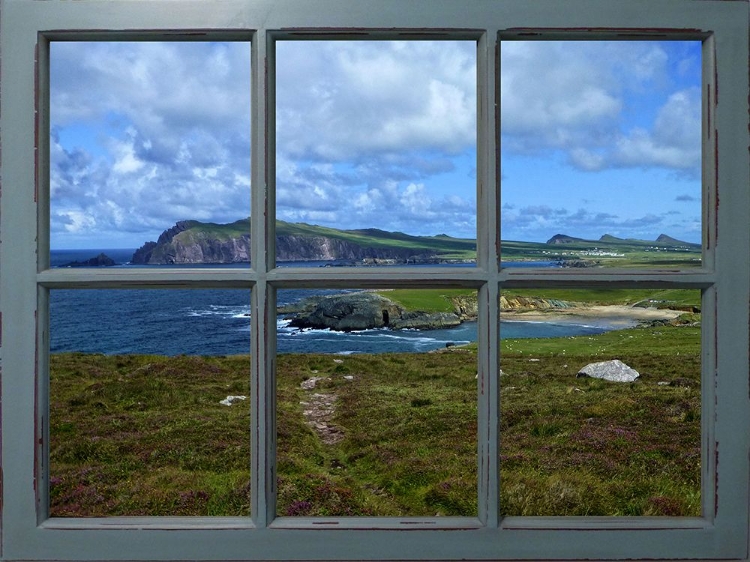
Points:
217	322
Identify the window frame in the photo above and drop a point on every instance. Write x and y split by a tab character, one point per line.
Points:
27	26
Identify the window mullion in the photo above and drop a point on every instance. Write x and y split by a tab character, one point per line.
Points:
263	309
488	238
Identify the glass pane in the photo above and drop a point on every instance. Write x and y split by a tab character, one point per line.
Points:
149	409
600	402
377	403
376	152
601	153
147	138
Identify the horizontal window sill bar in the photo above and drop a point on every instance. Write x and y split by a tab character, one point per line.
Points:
603	523
521	277
240	278
371	277
379	523
148	523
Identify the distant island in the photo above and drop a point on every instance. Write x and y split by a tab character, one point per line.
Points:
102	260
195	242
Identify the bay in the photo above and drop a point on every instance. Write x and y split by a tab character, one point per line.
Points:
217	322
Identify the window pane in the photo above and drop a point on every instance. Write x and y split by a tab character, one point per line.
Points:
149	409
575	444
601	152
377	403
147	137
376	151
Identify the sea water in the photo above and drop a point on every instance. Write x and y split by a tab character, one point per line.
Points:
217	322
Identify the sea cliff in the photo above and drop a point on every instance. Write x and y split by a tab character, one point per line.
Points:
194	242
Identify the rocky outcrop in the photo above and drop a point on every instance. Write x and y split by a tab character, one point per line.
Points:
465	306
363	311
187	243
143	254
102	260
533	303
561	262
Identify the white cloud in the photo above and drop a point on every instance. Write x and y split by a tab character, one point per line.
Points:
359	100
594	102
145	134
368	133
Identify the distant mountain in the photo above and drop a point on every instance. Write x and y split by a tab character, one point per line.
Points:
565	239
662	240
195	242
669	241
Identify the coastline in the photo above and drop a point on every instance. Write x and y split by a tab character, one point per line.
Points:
614	315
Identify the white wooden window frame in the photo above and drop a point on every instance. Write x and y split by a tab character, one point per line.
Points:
27	533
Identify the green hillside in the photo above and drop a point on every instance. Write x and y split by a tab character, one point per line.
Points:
608	251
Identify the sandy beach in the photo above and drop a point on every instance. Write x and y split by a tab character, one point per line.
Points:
614	315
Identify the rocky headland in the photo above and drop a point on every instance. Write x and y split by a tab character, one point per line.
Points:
194	242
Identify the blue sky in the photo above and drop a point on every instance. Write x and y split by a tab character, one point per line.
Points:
596	138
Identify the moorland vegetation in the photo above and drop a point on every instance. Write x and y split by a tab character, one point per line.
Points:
390	434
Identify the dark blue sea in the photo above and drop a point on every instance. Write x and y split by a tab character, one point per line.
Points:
217	322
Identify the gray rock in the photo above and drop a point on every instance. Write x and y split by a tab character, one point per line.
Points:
349	312
615	371
425	321
363	311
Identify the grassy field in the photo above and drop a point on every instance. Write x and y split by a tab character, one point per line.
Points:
386	434
442	300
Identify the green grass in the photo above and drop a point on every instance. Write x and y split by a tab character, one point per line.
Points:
444	300
659	298
146	435
429	300
445	246
578	446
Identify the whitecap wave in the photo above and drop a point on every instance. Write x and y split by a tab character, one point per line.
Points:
229	311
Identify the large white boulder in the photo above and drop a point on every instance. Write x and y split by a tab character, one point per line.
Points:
615	371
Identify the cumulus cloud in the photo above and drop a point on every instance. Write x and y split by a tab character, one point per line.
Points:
348	101
368	133
145	134
675	140
593	102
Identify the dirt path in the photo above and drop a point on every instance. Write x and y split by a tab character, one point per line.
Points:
319	410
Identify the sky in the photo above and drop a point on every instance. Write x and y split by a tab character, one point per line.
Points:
596	138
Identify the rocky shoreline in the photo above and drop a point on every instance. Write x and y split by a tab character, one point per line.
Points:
350	312
366	310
